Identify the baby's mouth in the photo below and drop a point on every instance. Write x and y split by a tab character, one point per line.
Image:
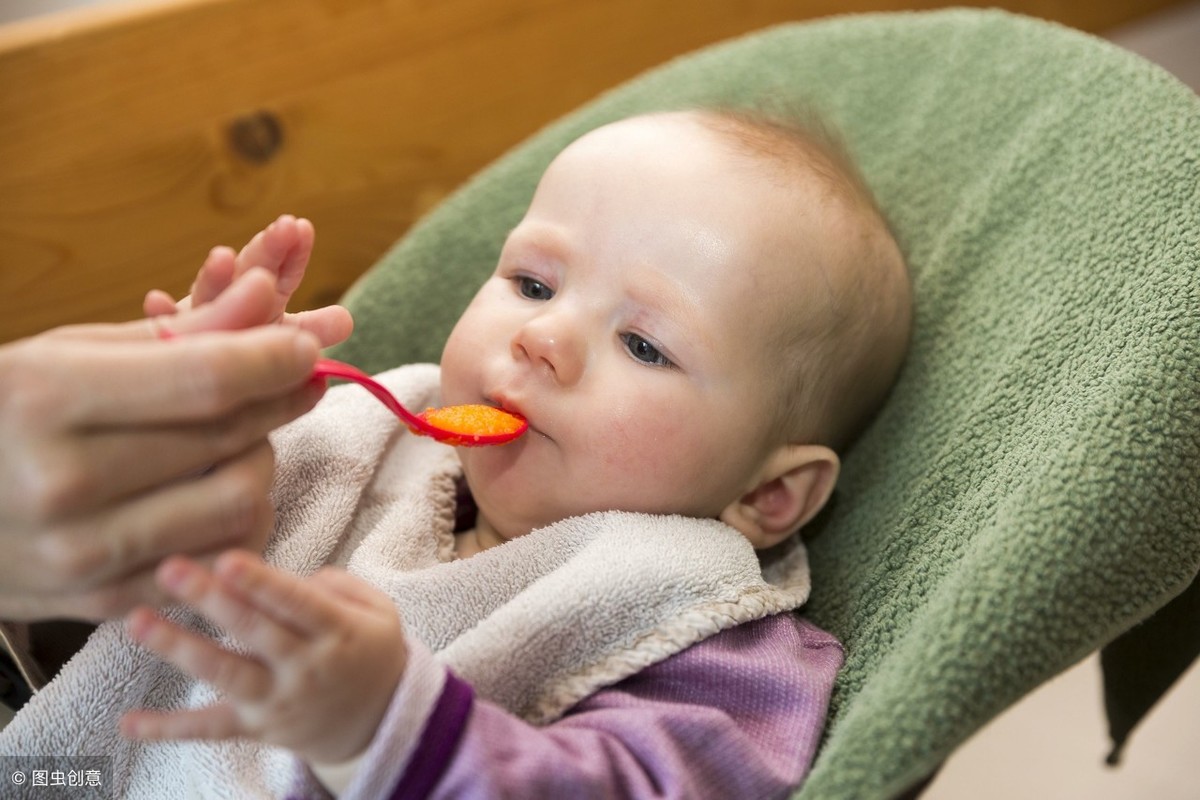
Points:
504	404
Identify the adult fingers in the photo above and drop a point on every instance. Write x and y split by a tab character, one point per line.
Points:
104	602
89	470
247	303
191	378
226	507
330	324
98	332
118	378
94	605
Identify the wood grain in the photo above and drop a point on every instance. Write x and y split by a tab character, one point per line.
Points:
135	137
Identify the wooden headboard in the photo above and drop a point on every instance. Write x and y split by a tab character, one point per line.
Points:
135	136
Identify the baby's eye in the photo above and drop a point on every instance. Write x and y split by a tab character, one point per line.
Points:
533	289
645	352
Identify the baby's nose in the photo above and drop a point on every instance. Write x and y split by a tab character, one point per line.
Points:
553	344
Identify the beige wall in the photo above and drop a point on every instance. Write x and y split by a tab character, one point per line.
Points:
19	9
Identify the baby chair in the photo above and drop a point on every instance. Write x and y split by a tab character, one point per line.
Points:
1029	492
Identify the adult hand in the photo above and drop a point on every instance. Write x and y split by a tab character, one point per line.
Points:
120	449
283	249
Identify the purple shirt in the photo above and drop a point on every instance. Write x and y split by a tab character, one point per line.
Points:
737	715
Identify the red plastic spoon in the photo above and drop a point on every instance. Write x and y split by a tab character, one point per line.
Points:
461	426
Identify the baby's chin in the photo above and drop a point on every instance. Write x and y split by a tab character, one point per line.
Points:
517	491
509	518
491	531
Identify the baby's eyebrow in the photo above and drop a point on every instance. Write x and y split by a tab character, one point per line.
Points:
540	238
672	300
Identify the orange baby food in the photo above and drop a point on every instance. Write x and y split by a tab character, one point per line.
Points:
473	421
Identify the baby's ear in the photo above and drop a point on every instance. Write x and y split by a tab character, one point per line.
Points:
794	485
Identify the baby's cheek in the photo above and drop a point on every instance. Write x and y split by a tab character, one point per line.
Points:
645	452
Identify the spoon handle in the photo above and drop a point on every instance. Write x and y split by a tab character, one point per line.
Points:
423	424
329	368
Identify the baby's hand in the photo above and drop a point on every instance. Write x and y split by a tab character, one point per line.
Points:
326	656
282	249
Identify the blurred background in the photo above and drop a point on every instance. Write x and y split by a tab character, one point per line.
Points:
1169	37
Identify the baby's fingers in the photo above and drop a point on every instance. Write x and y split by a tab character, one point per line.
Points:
238	676
302	606
214	722
158	303
215	276
234	612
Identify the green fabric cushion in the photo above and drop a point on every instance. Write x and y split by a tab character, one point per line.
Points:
1029	492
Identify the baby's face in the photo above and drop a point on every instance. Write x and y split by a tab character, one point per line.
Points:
631	319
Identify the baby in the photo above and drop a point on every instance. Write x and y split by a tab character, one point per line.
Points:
697	312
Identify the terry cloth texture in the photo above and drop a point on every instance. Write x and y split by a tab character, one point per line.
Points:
535	625
1029	492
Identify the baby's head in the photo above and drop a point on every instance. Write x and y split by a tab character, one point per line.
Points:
696	312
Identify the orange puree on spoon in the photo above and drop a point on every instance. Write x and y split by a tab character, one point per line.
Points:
471	421
462	426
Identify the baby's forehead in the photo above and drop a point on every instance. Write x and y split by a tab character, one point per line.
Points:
783	210
655	134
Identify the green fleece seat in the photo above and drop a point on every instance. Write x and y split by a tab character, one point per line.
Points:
1030	492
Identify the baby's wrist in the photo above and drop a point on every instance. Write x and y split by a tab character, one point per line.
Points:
336	778
395	739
